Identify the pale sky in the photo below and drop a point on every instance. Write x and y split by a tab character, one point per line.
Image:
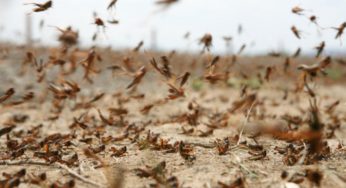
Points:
266	23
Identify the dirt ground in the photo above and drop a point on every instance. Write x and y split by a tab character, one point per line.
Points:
203	166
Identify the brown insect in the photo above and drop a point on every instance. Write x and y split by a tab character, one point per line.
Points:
312	70
97	149
25	98
269	70
227	38
330	108
187	131
68	184
297	10
287	64
314	176
207	41
67	89
13	180
309	90
106	121
258	155
6	130
157	173
171	79
87	104
184	79
241	49
295	31
29	59
297	53
243	103
90	154
88	65
313	19
113	21
40	7
68	36
7	95
341	61
99	22
340	30
238	183
112	4
138	76
211	76
320	48
165	69
118	152
115	68
213	62
274	54
205	133
186	151
128	65
166	2
37	179
174	91
222	146
139	45
146	109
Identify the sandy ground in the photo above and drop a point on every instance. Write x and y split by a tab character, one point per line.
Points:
206	170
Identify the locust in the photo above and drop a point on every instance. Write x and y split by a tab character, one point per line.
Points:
206	41
138	76
320	48
295	31
340	30
112	4
315	68
40	7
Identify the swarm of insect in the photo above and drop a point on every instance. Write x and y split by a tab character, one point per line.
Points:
87	126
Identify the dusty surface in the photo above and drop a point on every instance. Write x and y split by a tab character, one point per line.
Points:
205	168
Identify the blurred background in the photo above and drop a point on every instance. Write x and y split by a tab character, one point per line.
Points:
262	25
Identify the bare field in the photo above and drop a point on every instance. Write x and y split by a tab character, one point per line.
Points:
234	123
